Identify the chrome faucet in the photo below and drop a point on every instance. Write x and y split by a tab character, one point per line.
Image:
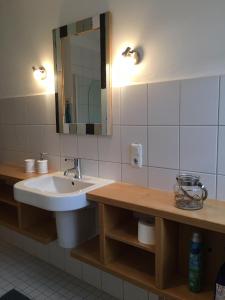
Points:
76	169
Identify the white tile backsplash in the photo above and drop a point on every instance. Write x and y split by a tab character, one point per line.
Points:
163	146
199	101
163	103
162	179
135	175
68	145
151	114
198	148
110	170
88	147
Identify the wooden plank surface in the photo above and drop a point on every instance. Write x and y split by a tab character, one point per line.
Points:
15	172
161	204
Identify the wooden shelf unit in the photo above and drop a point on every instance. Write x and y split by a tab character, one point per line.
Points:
161	268
33	222
122	226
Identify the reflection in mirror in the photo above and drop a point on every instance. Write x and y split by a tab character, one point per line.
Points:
83	79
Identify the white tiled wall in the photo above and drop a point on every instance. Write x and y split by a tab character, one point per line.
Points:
181	125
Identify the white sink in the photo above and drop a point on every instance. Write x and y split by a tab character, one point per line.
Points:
67	197
56	192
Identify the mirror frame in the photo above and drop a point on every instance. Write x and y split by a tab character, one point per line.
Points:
103	23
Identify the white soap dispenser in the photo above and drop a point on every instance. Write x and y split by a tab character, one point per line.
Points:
136	155
42	164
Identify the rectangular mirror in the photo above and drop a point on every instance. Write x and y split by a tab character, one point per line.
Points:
82	62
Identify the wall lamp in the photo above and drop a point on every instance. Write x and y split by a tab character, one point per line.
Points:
40	73
132	54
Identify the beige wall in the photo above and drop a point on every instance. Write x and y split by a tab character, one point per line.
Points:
180	38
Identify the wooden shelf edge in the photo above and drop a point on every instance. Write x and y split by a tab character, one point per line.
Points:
115	236
9	202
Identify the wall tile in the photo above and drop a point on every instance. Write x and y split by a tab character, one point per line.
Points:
163	146
68	145
53	162
134	105
116	105
132	292
110	170
72	265
134	134
92	275
110	146
221	187
51	142
198	148
163	103
57	255
112	285
163	179
133	175
88	147
222	101
221	150
36	138
199	101
89	167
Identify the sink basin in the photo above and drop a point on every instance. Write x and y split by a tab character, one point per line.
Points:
56	192
67	197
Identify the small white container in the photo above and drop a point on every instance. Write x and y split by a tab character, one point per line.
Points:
146	232
42	166
29	165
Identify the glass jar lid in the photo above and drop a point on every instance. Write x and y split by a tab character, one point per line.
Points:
187	180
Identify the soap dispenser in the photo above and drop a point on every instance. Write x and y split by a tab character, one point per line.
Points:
42	163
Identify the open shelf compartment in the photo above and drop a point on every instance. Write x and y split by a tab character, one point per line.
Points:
9	216
131	263
122	225
172	261
37	223
88	251
6	194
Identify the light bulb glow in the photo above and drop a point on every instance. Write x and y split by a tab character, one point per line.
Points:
39	73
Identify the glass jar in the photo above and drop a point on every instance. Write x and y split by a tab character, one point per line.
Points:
189	192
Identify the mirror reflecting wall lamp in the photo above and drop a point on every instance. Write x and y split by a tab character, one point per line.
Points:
39	73
132	54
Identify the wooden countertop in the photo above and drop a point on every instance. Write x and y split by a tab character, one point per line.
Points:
161	204
15	172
